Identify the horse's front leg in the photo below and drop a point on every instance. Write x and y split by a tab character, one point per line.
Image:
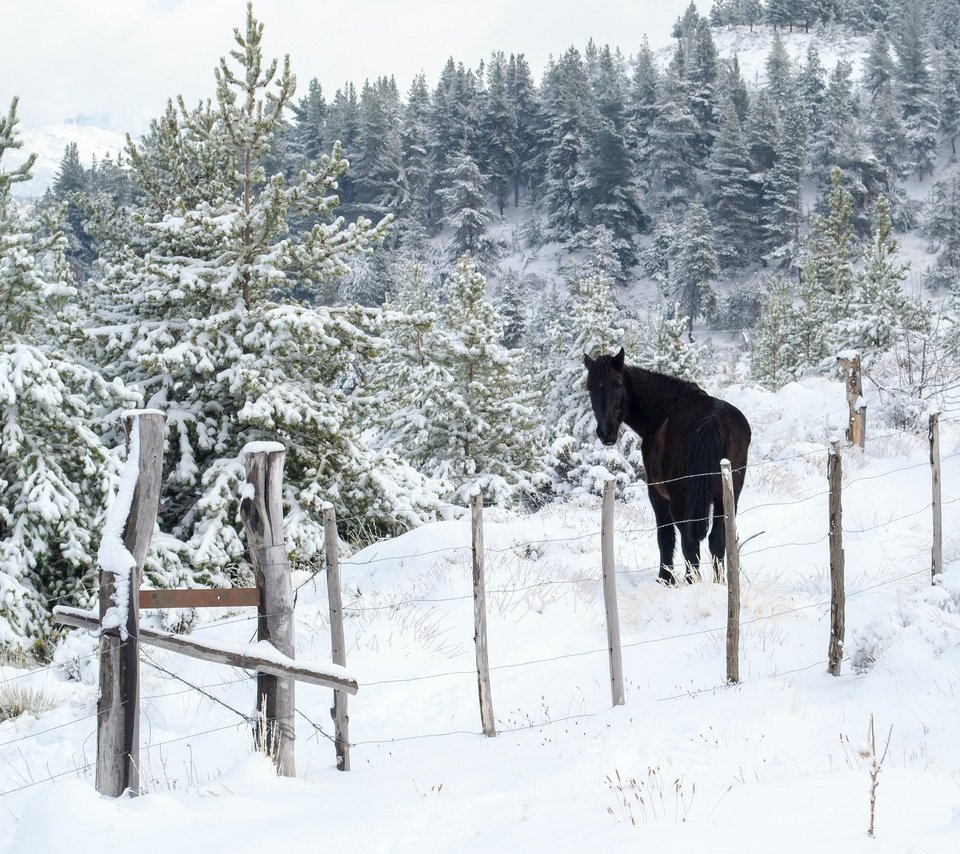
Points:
666	535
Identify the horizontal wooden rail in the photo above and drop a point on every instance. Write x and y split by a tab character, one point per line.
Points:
327	675
201	597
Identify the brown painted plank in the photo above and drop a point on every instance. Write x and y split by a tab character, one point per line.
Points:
218	597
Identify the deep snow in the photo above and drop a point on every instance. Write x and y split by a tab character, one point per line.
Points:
687	764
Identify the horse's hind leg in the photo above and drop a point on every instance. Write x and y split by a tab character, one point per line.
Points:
666	535
690	546
717	541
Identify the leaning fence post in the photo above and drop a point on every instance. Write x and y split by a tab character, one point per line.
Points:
837	594
337	643
733	573
123	548
480	615
610	594
857	425
936	555
262	511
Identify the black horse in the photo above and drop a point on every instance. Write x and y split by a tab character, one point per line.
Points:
684	434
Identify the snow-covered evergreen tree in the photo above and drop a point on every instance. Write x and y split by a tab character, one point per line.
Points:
733	197
880	306
576	459
56	475
695	268
481	428
189	308
774	357
466	209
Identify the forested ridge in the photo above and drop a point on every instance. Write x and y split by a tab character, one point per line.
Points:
361	275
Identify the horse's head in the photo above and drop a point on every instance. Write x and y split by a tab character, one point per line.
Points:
607	394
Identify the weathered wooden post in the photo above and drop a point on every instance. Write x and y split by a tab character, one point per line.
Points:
733	573
936	552
857	426
123	548
614	651
837	592
262	510
480	616
337	644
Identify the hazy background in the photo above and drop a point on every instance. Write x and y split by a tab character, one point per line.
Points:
114	63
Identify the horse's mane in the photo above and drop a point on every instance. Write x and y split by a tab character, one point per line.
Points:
602	367
663	383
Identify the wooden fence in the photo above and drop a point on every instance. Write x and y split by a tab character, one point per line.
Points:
262	513
135	513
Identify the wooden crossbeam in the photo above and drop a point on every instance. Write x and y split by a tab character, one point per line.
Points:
211	651
217	597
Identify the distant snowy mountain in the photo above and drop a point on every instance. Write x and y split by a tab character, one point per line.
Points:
48	143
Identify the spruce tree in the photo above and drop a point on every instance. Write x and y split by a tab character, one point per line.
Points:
732	199
466	210
56	475
498	124
774	357
482	429
696	266
782	204
193	307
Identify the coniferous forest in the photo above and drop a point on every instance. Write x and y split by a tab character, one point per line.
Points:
400	285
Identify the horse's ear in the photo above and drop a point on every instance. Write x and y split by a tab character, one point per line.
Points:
618	360
587	361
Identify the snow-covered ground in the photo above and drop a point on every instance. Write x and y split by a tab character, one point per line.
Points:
688	764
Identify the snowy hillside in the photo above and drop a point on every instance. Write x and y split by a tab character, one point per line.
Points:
48	143
778	763
752	48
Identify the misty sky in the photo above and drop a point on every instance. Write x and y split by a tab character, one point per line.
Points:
115	62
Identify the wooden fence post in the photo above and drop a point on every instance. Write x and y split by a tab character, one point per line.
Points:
837	593
131	520
480	616
610	594
936	556
857	426
262	512
733	573
337	644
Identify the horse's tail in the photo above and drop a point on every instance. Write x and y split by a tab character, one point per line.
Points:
706	451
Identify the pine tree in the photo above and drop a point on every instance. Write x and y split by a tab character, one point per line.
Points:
512	308
779	70
380	186
190	308
732	199
782	189
774	356
918	109
673	138
575	459
880	306
763	131
828	269
498	124
466	211
566	92
523	100
56	475
413	215
949	95
942	226
664	349
482	430
696	265
311	112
